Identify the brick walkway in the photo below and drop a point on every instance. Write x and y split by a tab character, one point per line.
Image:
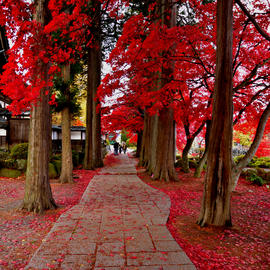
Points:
118	224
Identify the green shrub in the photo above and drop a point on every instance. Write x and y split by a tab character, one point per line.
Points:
21	164
260	162
4	154
19	151
57	165
9	163
52	171
10	173
256	162
254	178
237	158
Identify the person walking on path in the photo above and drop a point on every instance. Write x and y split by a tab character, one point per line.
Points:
115	146
124	146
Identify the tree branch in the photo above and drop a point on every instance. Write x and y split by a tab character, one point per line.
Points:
256	142
252	19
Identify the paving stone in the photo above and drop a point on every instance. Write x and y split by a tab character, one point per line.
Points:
167	246
81	247
44	262
157	258
51	248
139	242
80	262
159	232
106	257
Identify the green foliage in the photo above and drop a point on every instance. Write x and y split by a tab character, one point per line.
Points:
66	97
52	171
10	173
9	163
244	139
124	136
4	154
75	158
260	162
21	164
257	176
19	151
257	180
57	165
256	162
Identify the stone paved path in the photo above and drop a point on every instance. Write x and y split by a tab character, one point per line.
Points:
118	224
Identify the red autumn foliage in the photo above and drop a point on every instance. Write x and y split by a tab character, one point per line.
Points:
147	47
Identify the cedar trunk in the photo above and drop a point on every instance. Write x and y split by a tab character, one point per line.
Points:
139	143
152	159
203	160
185	161
215	208
145	148
67	165
164	167
93	145
38	195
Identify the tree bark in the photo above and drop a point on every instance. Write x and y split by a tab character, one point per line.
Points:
38	195
163	164
203	160
185	161
215	208
152	144
67	165
164	167
237	168
93	145
144	154
139	143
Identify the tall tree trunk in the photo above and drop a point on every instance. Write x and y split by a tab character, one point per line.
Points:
203	160
93	146
237	168
164	167
185	161
152	144
67	165
144	154
139	143
215	208
38	195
